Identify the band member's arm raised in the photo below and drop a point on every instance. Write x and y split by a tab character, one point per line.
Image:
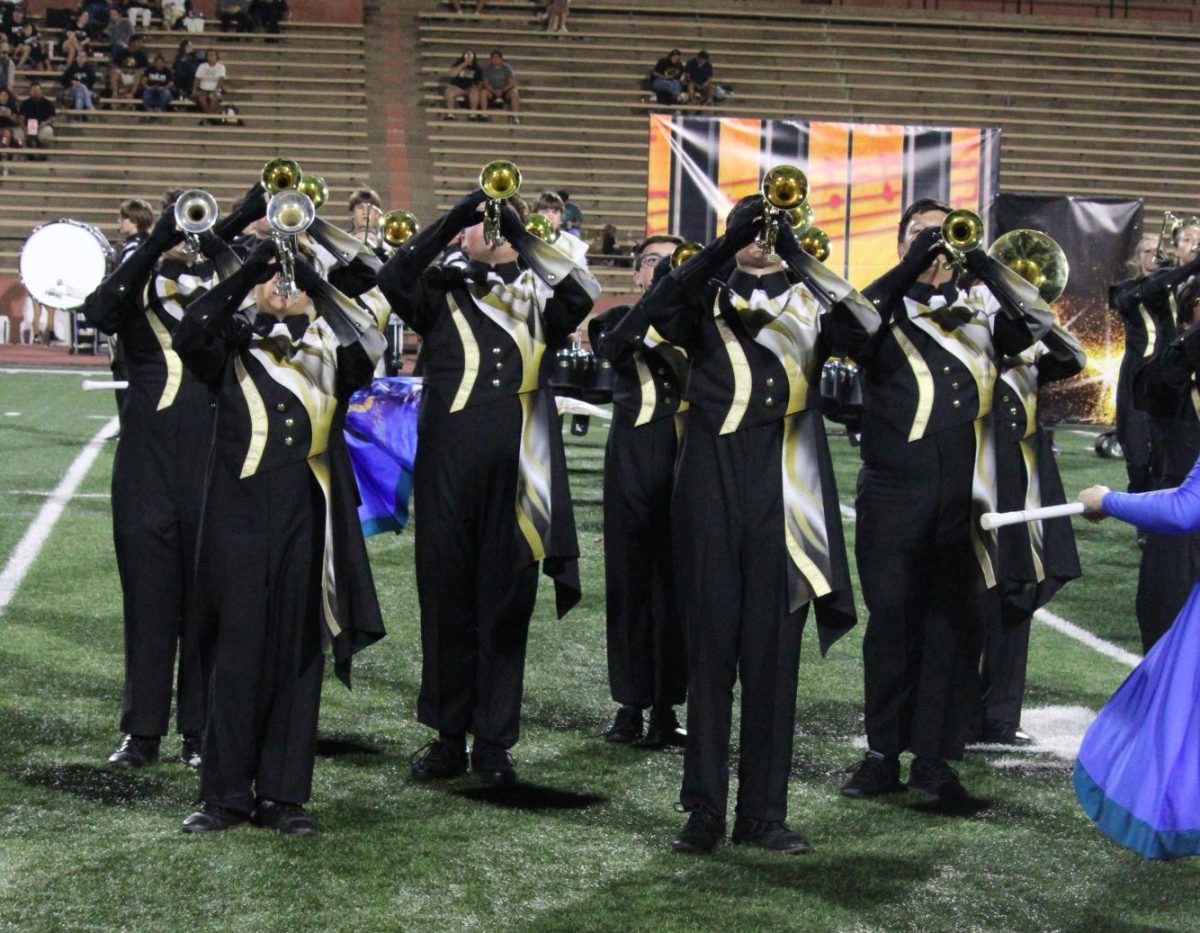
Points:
1065	357
1156	287
887	292
1169	376
250	207
358	266
1025	317
116	297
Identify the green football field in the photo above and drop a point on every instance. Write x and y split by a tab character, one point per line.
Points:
581	843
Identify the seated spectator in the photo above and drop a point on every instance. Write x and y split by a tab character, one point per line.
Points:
609	249
550	205
98	12
268	14
29	49
10	121
192	19
210	83
126	79
37	116
76	38
699	73
462	76
80	79
365	211
666	78
499	84
572	218
138	12
8	68
235	15
187	60
173	11
158	86
556	16
456	5
118	34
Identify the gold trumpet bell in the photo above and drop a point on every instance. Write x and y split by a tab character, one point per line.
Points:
683	252
1036	258
316	189
815	242
962	230
800	218
500	179
785	187
541	227
281	174
398	227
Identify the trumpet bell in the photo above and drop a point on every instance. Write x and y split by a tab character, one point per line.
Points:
815	242
280	174
398	227
196	211
500	179
316	189
785	187
541	227
290	212
962	230
800	218
1036	258
684	251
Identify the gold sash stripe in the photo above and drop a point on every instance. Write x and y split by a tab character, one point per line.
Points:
470	355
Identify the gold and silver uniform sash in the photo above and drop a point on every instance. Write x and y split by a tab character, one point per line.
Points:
307	368
172	296
676	359
516	307
788	325
971	344
1021	377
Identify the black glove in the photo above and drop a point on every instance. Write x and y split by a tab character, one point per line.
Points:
745	221
977	262
925	247
307	278
511	227
466	212
260	264
250	207
165	234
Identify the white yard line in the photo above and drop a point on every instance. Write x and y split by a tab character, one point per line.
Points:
43	493
31	543
1070	629
15	370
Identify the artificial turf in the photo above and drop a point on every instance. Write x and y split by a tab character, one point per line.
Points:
581	843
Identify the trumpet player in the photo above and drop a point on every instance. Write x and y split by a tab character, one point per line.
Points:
282	567
647	668
755	521
157	483
490	481
928	469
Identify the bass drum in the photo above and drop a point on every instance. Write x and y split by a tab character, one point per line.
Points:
62	262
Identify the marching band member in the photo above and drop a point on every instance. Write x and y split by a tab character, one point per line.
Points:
755	519
646	663
551	206
157	483
282	565
490	481
927	474
1035	559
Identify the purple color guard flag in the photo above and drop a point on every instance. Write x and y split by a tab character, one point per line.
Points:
381	432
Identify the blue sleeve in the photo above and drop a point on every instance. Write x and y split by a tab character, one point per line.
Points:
1167	511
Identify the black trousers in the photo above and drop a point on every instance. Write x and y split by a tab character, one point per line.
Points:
157	489
731	559
1134	432
647	665
475	601
1005	657
922	585
261	570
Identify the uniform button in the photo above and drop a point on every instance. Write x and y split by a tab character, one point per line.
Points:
562	364
605	364
768	401
495	351
668	401
1004	398
954	385
1012	411
770	381
1013	425
956	403
281	406
946	370
667	385
499	365
289	422
288	441
662	370
496	383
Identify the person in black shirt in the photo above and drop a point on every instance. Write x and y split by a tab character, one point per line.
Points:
30	51
187	60
80	79
699	73
267	14
463	75
157	85
76	39
666	78
13	23
37	115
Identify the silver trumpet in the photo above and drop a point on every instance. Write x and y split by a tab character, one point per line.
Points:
290	213
196	212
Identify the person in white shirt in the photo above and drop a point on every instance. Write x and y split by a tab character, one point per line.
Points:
210	83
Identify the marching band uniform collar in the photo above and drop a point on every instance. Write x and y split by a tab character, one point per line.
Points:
745	285
296	324
922	292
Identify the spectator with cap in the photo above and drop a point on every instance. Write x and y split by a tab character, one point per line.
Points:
699	74
666	80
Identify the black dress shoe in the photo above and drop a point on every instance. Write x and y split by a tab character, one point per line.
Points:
702	833
492	764
189	752
664	731
212	819
875	775
135	751
439	760
627	727
1004	733
287	818
774	836
935	777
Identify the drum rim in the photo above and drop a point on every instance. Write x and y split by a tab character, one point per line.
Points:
97	234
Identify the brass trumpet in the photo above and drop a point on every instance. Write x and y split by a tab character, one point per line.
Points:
316	189
685	251
196	211
280	174
962	231
398	227
500	180
289	213
815	242
1036	258
800	218
785	189
539	225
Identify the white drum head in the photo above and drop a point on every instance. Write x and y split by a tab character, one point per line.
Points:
63	262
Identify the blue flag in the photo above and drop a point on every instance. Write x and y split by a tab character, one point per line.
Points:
381	432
